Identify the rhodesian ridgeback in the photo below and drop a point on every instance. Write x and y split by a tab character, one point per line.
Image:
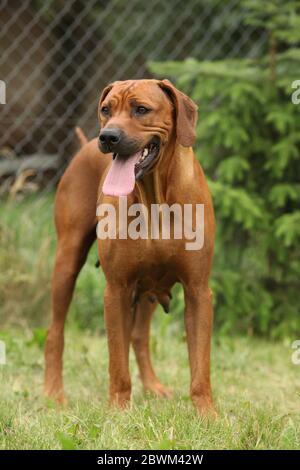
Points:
144	156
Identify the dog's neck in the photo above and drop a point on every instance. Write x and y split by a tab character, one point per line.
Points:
153	188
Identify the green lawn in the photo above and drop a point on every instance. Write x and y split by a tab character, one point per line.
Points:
256	386
256	389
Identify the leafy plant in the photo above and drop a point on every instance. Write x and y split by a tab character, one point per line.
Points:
249	145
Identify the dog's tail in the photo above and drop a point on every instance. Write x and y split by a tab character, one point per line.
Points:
82	138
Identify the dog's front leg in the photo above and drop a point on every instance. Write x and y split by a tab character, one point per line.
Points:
198	323
119	321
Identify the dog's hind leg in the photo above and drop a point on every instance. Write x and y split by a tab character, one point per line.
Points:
75	217
70	257
140	340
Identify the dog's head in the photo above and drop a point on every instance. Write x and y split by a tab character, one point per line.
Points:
138	118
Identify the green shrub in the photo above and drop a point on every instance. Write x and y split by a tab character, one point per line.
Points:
249	145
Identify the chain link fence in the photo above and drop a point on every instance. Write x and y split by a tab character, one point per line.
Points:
57	55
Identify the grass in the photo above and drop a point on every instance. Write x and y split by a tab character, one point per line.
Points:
256	385
27	250
256	389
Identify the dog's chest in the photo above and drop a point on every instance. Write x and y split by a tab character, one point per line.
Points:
140	258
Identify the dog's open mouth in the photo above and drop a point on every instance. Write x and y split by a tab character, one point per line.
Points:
147	158
125	170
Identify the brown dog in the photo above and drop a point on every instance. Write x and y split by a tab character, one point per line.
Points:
149	127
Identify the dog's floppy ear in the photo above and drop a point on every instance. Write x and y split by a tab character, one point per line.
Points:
103	96
186	113
105	92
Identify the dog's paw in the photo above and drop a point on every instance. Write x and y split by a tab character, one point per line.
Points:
157	389
57	398
205	407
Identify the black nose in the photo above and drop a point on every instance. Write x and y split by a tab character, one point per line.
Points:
109	138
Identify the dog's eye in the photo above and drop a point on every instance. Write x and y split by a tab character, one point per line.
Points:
105	110
141	110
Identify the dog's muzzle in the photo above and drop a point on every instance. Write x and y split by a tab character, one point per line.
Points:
109	139
130	162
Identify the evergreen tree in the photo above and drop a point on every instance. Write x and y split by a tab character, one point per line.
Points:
249	145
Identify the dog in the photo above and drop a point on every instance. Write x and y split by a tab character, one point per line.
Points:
143	155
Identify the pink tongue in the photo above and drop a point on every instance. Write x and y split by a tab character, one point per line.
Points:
120	179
